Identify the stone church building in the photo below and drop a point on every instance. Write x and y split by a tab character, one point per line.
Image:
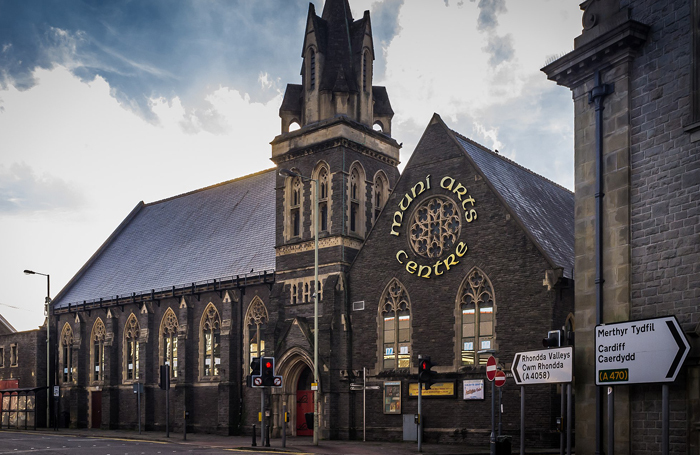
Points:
462	253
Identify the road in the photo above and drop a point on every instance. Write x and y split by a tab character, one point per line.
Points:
15	443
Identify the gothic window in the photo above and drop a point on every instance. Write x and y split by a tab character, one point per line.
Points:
2	357
323	183
13	355
255	318
295	294
312	69
476	305
97	350
380	192
210	351
395	326
295	207
132	332
168	341
356	195
306	293
66	354
435	227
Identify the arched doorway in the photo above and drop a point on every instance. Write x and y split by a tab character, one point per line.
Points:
305	402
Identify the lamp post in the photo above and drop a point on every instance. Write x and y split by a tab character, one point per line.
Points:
47	313
288	173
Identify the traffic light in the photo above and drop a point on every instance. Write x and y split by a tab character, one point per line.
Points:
425	374
553	339
255	367
267	371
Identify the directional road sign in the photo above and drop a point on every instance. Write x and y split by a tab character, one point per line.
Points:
500	378
491	368
548	366
635	352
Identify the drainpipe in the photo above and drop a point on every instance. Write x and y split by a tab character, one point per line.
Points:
597	96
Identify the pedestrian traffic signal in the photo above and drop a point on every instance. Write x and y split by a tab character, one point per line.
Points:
425	373
553	339
267	371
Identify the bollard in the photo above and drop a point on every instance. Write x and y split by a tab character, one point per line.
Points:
254	443
267	436
284	426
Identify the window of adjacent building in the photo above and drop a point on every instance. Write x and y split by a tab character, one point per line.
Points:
395	320
13	355
210	342
476	306
2	357
256	317
168	341
66	354
97	351
131	348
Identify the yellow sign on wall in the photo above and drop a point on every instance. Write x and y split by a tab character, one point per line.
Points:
439	389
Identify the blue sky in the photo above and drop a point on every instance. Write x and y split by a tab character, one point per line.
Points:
105	104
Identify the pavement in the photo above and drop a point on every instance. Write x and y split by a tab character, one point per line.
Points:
298	445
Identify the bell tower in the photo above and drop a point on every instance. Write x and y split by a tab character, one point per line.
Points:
340	136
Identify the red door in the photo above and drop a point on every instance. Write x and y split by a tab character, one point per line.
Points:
96	403
305	404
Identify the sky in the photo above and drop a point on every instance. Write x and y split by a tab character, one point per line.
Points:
105	104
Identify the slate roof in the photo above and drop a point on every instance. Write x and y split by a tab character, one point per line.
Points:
215	232
545	209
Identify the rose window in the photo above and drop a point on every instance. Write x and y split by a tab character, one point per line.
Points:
435	227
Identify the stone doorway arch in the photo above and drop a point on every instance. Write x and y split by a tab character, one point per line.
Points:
290	366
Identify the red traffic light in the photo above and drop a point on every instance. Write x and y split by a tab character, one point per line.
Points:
425	366
268	364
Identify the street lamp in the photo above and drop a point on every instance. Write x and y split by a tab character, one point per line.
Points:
47	313
288	173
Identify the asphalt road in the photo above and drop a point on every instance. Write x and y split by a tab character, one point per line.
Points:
14	443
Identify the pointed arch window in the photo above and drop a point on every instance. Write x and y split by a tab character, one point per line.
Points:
210	342
323	182
295	207
381	190
477	308
312	69
168	341
66	353
366	71
395	322
356	195
132	331
97	351
255	318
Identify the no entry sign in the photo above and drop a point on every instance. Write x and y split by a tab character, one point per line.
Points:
500	378
491	368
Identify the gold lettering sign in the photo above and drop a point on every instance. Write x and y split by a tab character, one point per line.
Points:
438	215
439	389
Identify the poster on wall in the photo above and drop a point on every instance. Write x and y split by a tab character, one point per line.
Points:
473	389
392	397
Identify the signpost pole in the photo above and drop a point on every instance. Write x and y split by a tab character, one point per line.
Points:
569	411
561	416
138	397
167	402
611	421
364	404
522	420
500	410
493	418
420	417
664	419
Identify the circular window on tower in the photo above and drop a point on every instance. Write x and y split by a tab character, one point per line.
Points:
434	227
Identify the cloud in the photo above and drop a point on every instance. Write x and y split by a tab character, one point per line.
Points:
488	13
21	190
499	48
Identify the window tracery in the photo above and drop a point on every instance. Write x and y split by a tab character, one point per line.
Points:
395	321
210	342
97	350
67	353
255	318
132	331
435	227
356	196
168	338
476	303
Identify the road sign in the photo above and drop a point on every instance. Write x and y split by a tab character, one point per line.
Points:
548	366
56	391
277	381
491	368
500	378
637	352
257	381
